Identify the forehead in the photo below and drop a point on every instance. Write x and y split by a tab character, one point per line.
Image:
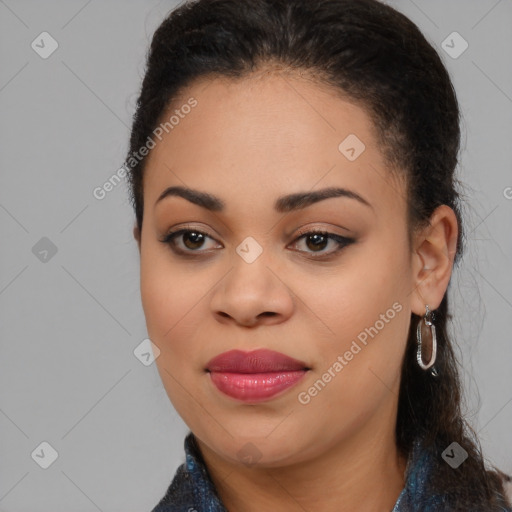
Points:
253	139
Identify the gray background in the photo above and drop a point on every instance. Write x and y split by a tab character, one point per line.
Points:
69	325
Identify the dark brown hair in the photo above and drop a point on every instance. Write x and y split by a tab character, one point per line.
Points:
379	59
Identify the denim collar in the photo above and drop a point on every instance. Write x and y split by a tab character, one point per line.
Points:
192	489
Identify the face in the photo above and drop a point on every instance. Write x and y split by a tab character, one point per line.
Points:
325	280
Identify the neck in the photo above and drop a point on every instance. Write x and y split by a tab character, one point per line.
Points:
361	472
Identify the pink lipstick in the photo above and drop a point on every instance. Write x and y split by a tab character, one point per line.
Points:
255	376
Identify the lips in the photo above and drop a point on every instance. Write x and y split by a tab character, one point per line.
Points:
257	361
255	376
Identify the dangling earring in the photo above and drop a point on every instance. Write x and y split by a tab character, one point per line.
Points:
427	330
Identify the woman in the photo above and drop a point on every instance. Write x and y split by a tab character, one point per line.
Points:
292	167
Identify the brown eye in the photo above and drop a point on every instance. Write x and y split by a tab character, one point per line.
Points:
193	239
316	241
189	241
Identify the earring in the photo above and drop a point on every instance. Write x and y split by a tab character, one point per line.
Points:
426	334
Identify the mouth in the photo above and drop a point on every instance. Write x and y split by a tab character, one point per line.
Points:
255	376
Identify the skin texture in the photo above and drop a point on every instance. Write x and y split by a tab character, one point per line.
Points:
249	142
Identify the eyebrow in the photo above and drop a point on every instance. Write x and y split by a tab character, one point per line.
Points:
291	202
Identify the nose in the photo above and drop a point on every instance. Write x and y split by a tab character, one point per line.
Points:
252	294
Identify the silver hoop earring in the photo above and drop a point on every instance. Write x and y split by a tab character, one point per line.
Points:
426	332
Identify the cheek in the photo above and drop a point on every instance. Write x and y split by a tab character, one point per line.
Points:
359	369
169	298
354	296
367	309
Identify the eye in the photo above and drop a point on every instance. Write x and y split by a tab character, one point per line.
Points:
317	241
187	240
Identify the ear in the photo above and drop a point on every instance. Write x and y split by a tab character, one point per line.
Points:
136	235
434	252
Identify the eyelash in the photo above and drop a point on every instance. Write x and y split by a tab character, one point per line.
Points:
169	239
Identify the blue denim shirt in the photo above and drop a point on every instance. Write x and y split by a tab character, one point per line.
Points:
192	489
